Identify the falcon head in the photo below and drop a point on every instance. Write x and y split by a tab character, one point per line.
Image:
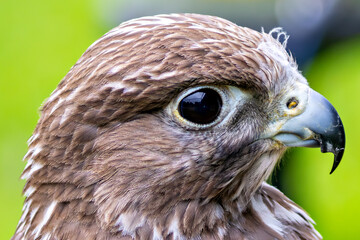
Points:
169	126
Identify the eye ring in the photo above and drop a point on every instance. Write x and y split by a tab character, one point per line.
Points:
292	103
232	99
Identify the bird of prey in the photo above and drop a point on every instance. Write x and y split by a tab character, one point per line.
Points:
167	128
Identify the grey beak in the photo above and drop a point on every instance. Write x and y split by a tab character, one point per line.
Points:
318	126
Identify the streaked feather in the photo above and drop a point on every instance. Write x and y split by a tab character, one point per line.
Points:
105	163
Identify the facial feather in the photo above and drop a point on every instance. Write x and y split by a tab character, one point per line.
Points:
108	159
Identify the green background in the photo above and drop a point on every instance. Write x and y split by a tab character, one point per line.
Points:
41	40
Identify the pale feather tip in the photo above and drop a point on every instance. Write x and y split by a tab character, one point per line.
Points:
279	35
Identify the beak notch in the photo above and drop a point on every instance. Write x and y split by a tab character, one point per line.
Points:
333	141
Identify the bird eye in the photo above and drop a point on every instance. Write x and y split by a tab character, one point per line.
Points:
201	107
292	103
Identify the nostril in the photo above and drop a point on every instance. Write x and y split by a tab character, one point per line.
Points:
292	103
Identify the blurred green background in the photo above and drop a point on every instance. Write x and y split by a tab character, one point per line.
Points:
40	40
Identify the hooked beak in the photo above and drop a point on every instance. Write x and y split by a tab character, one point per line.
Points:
318	126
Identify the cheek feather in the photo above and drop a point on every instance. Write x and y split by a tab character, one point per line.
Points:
259	172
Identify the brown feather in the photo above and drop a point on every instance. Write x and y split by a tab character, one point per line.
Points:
107	162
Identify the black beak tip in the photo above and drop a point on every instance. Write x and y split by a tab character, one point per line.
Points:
334	142
337	158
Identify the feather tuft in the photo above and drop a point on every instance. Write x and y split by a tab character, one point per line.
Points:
279	35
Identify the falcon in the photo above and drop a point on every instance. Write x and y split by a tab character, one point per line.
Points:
167	127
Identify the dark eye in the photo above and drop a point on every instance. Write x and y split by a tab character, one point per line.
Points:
202	106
